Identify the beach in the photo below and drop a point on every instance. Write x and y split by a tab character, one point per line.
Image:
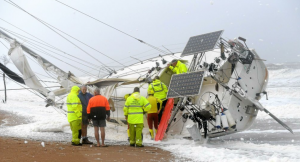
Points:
18	149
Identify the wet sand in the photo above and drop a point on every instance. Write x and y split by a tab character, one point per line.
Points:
10	119
15	149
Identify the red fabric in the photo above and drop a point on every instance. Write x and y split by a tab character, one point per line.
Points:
152	118
164	120
97	101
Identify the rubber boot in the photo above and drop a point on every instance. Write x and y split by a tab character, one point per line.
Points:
128	133
151	133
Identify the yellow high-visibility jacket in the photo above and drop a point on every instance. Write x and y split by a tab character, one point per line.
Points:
74	105
153	102
159	88
179	68
134	107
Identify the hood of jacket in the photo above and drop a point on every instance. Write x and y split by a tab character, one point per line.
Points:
156	81
75	90
136	95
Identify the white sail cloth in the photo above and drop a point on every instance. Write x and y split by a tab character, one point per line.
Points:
18	58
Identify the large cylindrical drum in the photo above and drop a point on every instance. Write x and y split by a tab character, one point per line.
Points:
230	119
224	121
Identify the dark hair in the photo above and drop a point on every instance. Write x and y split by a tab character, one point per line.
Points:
156	77
136	89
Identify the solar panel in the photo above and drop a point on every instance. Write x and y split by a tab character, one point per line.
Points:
187	84
201	43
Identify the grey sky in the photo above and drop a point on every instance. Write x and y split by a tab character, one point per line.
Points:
271	27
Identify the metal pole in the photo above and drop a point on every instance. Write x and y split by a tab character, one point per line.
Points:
4	87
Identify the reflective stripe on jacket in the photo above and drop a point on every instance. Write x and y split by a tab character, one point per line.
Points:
159	88
134	107
179	68
74	105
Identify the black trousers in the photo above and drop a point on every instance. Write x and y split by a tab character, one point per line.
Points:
162	110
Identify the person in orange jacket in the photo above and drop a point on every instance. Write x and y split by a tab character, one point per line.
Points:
98	110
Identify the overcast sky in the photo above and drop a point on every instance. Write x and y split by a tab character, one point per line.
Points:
272	27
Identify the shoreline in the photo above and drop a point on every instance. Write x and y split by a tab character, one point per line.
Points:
22	149
16	149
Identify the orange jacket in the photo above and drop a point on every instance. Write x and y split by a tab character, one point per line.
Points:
98	108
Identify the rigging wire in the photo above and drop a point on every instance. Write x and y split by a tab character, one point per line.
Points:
14	33
84	71
36	48
25	87
156	48
50	46
49	26
34	44
144	52
4	45
29	34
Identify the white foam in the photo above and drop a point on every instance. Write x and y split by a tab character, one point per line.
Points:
47	124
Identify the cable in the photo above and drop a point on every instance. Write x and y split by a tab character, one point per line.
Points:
49	26
25	87
27	33
3	45
50	51
156	48
36	48
50	46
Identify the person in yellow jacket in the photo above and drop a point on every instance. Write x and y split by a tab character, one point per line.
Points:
152	116
177	67
74	115
134	108
160	91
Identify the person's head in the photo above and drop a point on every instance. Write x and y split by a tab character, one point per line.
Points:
150	92
136	89
75	89
96	91
83	89
174	62
156	78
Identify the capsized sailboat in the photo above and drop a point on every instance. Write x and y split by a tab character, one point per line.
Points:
233	80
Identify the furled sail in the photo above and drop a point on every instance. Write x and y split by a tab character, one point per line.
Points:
11	74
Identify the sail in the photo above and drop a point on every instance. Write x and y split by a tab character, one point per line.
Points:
11	74
18	58
66	80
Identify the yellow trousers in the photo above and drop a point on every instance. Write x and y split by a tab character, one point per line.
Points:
76	129
136	134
